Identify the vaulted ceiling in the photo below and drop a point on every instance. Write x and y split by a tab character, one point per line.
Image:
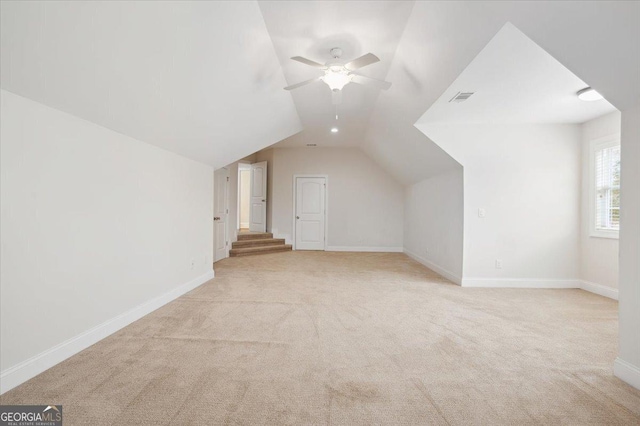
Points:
205	79
311	30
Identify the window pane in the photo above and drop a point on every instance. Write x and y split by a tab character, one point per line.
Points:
607	177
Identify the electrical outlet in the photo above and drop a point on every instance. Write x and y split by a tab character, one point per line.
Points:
193	263
498	263
482	212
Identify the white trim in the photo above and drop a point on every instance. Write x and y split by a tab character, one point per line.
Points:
285	237
520	283
20	373
602	290
436	268
598	289
227	234
627	372
366	249
594	145
326	207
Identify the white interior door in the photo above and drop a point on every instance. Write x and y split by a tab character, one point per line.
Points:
310	213
220	215
258	208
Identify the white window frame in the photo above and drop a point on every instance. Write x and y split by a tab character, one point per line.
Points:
596	145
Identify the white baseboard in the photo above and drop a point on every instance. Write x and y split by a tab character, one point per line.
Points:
627	372
520	283
602	290
286	237
33	366
599	289
366	249
436	268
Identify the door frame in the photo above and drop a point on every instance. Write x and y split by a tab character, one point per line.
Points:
326	206
226	210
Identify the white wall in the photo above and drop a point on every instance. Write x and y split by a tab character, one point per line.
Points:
93	225
598	256
433	223
527	178
365	209
627	365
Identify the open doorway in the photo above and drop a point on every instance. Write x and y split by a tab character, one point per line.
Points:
252	197
244	197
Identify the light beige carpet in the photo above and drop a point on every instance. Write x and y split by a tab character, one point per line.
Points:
349	339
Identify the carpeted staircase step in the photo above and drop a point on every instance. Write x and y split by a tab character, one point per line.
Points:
254	236
247	251
258	242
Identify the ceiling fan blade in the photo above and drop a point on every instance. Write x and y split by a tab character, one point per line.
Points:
336	97
309	62
362	61
370	81
302	83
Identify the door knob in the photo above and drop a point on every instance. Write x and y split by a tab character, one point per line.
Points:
264	201
297	217
216	218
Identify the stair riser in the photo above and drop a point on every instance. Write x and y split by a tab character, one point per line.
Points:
258	243
245	237
252	253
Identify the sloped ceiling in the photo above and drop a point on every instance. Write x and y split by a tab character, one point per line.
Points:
597	41
197	78
514	81
205	79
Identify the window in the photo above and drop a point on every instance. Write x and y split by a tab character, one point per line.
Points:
605	187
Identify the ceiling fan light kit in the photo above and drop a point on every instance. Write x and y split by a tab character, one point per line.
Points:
336	78
337	75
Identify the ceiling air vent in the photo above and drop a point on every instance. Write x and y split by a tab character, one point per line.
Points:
311	144
461	96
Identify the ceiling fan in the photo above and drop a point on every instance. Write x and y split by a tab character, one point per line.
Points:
337	75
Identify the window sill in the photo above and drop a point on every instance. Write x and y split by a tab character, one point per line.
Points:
612	235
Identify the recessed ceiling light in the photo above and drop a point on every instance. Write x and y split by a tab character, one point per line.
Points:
334	130
588	94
